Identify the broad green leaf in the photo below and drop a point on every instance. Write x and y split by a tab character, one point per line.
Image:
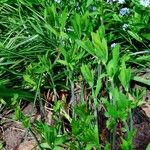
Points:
50	15
112	66
45	145
63	62
125	76
101	32
1	144
60	139
142	80
87	45
87	74
101	50
107	146
115	94
126	145
64	53
135	36
123	102
111	111
18	114
63	35
146	35
89	146
116	17
58	148
63	18
105	50
29	80
76	23
89	2
148	147
51	29
79	55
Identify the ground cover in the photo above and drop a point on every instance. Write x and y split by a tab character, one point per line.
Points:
74	74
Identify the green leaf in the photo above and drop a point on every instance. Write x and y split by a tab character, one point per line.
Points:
29	80
18	114
63	18
26	122
98	86
135	36
116	17
58	148
111	111
101	50
125	76
87	45
60	140
79	55
112	66
37	27
89	146
89	2
148	147
116	55
51	29
87	74
45	145
76	23
141	80
8	92
107	146
63	62
27	40
1	145
146	36
101	32
50	15
125	145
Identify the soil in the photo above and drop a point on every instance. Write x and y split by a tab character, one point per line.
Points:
13	135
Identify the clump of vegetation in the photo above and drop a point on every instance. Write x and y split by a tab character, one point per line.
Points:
77	60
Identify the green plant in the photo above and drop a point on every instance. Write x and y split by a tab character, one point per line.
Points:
96	46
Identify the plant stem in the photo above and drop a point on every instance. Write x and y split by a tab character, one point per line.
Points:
114	137
36	96
131	121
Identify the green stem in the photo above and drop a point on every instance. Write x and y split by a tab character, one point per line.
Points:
96	114
131	120
36	96
54	89
114	137
72	101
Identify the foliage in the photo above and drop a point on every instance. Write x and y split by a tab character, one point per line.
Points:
56	45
